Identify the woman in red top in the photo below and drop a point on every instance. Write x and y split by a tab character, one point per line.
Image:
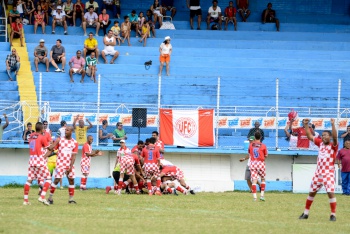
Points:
39	16
103	18
45	8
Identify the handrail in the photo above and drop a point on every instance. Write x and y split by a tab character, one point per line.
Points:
4	19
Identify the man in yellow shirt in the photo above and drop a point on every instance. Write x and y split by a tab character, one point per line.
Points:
91	45
81	130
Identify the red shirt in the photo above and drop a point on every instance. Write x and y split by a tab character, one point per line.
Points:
230	11
242	4
16	27
344	157
303	141
37	143
84	158
136	148
326	156
169	169
136	159
78	8
257	151
150	154
47	135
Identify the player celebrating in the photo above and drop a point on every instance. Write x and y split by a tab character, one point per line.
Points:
67	150
159	144
324	174
37	164
127	166
86	160
176	174
257	153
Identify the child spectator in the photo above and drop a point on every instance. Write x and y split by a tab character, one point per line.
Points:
125	29
145	33
20	7
149	19
116	31
141	21
29	9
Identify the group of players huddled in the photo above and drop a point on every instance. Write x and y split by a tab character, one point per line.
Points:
140	170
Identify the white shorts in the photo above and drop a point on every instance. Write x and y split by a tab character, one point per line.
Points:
109	52
75	71
157	13
88	71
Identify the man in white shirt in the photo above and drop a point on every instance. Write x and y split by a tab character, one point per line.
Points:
91	20
214	14
59	19
109	41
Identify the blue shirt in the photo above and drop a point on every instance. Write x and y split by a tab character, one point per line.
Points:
134	18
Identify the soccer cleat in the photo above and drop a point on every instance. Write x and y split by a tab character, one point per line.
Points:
44	201
262	199
108	188
192	192
50	201
303	216
72	202
58	70
26	203
332	218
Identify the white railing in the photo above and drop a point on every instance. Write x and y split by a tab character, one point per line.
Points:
3	22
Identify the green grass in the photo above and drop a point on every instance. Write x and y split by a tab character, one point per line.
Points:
229	212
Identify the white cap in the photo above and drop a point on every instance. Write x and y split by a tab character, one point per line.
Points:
167	38
58	8
42	40
122	141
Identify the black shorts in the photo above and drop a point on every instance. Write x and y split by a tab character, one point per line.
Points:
270	20
88	52
57	61
193	13
116	175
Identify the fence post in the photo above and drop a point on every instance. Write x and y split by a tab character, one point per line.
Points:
159	94
338	107
217	114
277	110
98	108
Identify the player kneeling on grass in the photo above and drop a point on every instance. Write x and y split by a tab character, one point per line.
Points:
86	161
90	66
127	166
175	173
324	174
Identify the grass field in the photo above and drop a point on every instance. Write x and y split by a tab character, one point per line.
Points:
231	212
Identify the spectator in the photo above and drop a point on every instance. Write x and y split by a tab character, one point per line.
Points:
346	135
77	65
243	10
103	133
27	132
29	9
2	127
68	8
104	21
291	136
12	63
59	19
45	8
16	31
108	4
133	20
149	19
116	9
230	14
157	10
20	6
109	41
195	10
62	130
269	16
303	141
256	129
116	31
39	19
13	15
119	134
343	159
90	45
165	50
54	5
141	20
145	33
81	130
90	66
125	29
92	3
91	21
40	55
168	5
312	145
58	55
214	14
46	128
78	12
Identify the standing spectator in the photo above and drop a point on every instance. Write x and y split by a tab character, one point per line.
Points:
116	31
104	21
78	12
12	63
125	29
29	9
133	20
119	134
58	55
109	41
149	19
53	6
256	129
165	50
145	33
103	133
90	45
116	8
108	4
68	8
16	31
92	3
39	19
20	6
195	10
77	65
62	130
59	19
312	145
27	132
13	15
243	10
2	127
346	135
168	5
269	16
157	10
40	55
303	141
90	66
91	21
230	14
81	130
214	14
291	137
45	8
343	159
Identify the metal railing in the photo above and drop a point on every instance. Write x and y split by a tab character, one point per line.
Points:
3	22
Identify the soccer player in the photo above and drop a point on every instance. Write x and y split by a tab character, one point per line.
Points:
127	166
37	164
158	143
67	150
80	131
85	161
324	174
176	174
151	157
138	148
257	153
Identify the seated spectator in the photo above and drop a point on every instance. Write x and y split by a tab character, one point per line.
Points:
59	19
39	19
91	21
230	14
78	12
116	31
141	20
108	4
54	4
92	3
214	15
16	31
58	55
90	66
149	19
156	9
126	29
104	21
116	9
109	41
119	134
12	63
28	10
68	8
27	132
168	5
256	129
269	16
13	15
145	33
77	65
45	8
20	6
2	127
90	45
243	10
133	19
40	55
